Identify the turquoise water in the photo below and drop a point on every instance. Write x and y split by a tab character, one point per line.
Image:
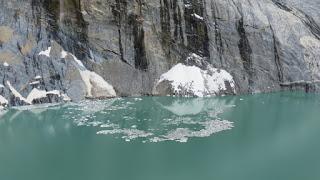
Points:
265	137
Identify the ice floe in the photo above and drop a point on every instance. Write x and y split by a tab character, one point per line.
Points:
170	120
128	134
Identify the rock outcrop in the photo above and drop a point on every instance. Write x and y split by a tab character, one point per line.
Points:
107	48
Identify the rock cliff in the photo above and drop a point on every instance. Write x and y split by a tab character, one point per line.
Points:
55	50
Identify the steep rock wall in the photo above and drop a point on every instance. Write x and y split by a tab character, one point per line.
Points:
265	45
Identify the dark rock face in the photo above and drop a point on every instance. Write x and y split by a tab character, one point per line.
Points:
265	45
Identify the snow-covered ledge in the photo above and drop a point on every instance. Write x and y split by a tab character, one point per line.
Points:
96	86
191	80
45	52
35	94
3	102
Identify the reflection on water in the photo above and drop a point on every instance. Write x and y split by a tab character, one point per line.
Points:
151	119
272	136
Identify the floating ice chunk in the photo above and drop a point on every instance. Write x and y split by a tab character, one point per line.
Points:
46	52
210	127
5	64
1	86
129	134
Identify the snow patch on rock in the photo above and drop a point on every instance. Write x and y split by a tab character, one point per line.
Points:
78	61
37	77
34	82
3	101
197	16
65	97
33	95
38	94
191	80
96	86
46	52
16	93
64	54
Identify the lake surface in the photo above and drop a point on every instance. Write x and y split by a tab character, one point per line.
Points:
260	137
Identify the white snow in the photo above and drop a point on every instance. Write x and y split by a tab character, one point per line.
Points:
93	80
1	86
46	52
65	97
5	64
64	54
34	94
209	128
16	93
200	82
188	77
34	82
3	101
188	5
37	77
78	61
197	16
54	92
38	94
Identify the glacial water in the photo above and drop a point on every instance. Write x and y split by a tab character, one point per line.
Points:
258	137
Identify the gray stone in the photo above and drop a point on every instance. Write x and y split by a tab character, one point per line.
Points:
266	45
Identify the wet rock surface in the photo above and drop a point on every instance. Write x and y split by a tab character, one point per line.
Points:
265	45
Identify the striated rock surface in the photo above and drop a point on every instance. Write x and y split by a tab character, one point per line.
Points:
125	48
